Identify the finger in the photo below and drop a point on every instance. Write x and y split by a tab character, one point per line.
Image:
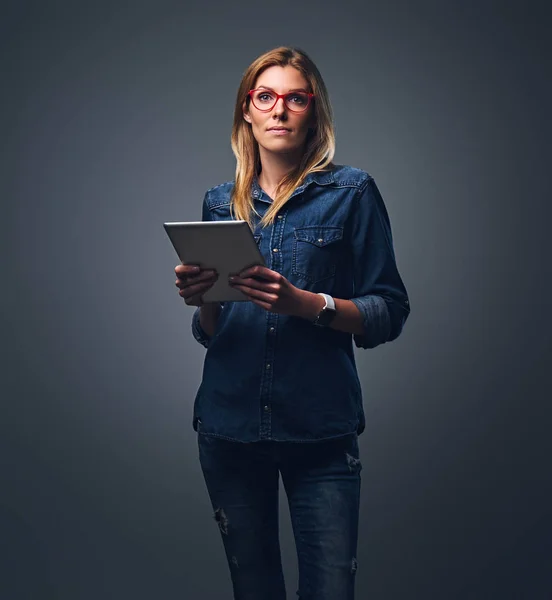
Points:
260	271
197	276
196	300
248	293
186	269
193	290
263	285
257	294
204	276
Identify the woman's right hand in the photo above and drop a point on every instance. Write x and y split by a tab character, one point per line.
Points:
193	282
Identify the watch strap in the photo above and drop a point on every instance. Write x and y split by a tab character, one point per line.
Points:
327	313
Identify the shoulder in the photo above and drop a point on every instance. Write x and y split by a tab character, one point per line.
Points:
344	176
219	194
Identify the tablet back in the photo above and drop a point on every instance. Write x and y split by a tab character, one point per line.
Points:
226	246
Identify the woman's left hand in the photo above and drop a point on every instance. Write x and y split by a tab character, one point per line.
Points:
269	290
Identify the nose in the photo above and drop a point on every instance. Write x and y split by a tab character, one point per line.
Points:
279	107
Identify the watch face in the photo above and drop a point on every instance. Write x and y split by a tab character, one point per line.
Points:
326	317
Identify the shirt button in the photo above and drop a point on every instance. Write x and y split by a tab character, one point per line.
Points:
275	250
268	366
267	408
320	240
280	217
272	330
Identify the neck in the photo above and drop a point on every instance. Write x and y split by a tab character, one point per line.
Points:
274	167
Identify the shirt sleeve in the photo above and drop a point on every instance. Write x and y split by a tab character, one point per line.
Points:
379	292
198	331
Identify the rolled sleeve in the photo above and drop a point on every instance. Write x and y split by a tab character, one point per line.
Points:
376	321
198	331
379	292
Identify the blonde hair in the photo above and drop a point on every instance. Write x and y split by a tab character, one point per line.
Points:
319	145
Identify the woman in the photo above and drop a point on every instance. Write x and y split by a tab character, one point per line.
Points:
280	394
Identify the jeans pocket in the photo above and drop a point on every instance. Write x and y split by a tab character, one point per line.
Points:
316	251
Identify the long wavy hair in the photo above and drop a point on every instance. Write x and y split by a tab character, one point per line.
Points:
319	144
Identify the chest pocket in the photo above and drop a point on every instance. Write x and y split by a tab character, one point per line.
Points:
316	252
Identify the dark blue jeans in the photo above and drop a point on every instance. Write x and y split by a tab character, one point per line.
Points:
322	483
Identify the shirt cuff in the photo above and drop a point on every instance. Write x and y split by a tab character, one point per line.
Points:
198	331
377	324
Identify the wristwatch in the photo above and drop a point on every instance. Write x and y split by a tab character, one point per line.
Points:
326	315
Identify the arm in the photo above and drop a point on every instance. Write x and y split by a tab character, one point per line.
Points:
204	322
208	317
379	293
380	306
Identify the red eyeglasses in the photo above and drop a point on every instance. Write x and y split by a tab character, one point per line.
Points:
265	100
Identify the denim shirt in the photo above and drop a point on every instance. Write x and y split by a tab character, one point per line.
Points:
270	376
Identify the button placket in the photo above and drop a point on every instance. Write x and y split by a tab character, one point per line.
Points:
265	431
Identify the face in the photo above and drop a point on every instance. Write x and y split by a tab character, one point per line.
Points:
280	130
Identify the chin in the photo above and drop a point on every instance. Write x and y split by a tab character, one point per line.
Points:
279	146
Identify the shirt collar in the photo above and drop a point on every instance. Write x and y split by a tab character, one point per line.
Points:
321	178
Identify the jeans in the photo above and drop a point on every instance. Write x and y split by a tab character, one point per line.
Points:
322	483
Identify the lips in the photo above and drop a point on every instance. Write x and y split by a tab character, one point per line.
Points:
278	129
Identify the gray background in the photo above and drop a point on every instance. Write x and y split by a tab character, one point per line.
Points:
116	117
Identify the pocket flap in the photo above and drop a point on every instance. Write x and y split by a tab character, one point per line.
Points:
319	236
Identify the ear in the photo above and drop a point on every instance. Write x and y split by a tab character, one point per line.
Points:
246	113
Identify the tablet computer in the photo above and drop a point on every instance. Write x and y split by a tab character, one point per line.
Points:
226	246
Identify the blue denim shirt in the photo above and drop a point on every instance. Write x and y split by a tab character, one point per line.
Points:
278	377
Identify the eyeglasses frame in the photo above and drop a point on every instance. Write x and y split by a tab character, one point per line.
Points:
278	96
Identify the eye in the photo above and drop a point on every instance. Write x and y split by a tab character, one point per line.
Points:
299	99
264	97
